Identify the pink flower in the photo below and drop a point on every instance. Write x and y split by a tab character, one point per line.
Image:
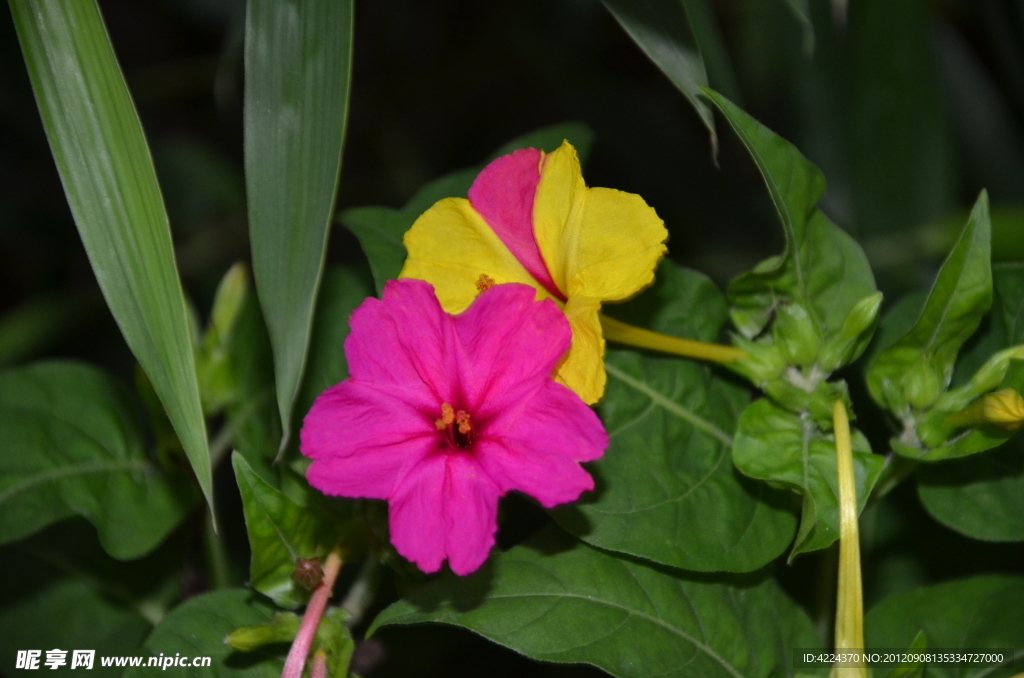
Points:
443	414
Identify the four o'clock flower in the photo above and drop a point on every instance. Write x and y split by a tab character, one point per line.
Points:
531	219
444	414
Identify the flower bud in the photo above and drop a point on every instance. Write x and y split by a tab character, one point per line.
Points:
796	333
922	386
281	629
1003	408
227	304
853	336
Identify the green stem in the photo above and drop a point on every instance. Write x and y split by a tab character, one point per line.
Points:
218	566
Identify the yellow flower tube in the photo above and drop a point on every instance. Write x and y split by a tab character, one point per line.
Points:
849	631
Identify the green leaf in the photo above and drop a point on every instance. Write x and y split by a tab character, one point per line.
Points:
559	601
197	628
1008	287
380	229
912	373
822	266
801	10
661	29
280	532
111	186
913	667
343	290
985	612
667	468
70	614
72	446
788	450
297	72
981	497
254	419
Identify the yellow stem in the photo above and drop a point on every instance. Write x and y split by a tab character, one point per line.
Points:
849	633
623	333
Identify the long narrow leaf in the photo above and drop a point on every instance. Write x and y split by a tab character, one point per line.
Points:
297	65
111	186
661	28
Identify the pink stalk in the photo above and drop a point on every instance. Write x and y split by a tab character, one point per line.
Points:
319	669
296	660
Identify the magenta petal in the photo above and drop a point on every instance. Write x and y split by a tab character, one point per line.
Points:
555	420
511	345
352	415
417	514
405	341
503	195
472	514
548	477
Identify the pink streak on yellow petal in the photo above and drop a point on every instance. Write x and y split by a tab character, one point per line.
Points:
451	246
503	194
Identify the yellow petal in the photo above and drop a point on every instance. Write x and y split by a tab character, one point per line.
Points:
450	246
582	369
598	243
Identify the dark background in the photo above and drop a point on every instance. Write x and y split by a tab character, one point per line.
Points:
909	107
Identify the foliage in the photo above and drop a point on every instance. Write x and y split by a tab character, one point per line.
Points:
718	493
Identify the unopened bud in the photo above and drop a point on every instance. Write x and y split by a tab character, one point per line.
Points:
853	336
922	386
281	629
797	334
227	303
1003	408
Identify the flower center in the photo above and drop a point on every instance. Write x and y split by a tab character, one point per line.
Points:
484	282
457	426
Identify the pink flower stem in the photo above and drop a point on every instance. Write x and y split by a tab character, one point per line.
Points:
296	660
319	669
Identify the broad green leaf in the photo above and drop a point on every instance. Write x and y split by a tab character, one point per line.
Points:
197	628
667	468
111	186
822	266
788	450
297	72
559	601
913	667
343	290
661	29
70	614
280	532
72	445
380	229
912	373
985	612
981	497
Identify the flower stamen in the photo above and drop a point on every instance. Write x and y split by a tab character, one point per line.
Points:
485	282
461	434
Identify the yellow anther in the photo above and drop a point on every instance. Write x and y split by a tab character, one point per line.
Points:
485	282
447	417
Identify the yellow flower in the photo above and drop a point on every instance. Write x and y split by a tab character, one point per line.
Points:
530	218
